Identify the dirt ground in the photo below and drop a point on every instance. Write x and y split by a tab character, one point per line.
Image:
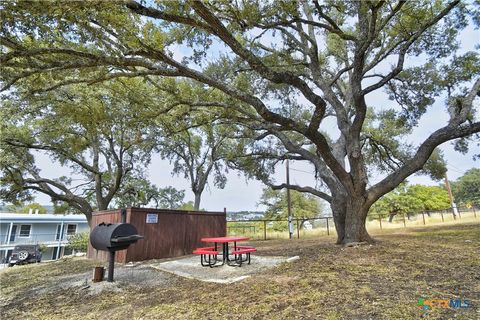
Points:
383	281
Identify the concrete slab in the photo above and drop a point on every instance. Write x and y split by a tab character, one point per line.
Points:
190	268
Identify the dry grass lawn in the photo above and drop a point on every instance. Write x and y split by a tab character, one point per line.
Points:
383	281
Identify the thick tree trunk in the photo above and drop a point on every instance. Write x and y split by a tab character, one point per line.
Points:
338	211
355	230
349	217
196	205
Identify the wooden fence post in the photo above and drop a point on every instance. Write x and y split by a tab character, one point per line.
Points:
474	213
423	216
328	230
380	220
264	229
404	222
298	230
441	213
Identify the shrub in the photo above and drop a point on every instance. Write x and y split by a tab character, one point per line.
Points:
79	242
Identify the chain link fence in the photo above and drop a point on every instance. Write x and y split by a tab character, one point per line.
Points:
265	229
423	218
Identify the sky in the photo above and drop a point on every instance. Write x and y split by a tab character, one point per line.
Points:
240	194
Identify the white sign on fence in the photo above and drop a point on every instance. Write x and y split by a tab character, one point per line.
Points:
152	218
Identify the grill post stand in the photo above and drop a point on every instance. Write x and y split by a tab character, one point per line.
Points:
111	264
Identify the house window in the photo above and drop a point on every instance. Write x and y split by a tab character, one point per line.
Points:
71	229
13	233
25	230
54	253
60	232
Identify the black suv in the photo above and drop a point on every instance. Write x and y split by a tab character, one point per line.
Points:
25	254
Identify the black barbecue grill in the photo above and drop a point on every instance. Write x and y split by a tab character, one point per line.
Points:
113	237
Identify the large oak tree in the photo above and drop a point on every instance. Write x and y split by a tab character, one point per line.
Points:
285	66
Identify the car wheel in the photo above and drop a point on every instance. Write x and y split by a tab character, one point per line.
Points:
23	255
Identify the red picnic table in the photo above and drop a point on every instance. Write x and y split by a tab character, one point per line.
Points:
208	255
224	241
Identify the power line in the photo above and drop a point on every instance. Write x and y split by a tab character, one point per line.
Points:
309	172
455	170
451	165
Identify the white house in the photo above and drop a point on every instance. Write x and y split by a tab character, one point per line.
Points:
50	230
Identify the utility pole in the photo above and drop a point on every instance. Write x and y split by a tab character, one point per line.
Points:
450	195
289	204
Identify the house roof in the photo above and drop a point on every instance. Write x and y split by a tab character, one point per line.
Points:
6	217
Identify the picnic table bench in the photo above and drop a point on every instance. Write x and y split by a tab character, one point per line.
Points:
209	252
243	250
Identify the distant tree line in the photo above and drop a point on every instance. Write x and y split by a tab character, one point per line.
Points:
407	199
